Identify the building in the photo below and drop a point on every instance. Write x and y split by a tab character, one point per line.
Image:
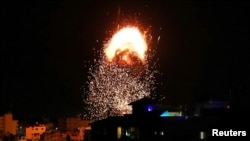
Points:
8	125
35	132
152	121
72	124
75	127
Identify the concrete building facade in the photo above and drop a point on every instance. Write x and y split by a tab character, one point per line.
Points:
73	123
35	132
8	125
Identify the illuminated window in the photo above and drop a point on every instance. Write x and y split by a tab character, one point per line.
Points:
202	135
164	114
127	133
119	132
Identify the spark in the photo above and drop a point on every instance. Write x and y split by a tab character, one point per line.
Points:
121	75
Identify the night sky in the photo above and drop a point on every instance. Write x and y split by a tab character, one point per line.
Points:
48	46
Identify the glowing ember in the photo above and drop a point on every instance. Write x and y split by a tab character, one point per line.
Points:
112	86
129	42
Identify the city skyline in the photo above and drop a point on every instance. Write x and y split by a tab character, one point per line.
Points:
48	48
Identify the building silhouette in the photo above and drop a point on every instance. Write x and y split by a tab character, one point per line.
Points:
154	121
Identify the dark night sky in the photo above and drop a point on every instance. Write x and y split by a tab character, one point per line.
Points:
46	44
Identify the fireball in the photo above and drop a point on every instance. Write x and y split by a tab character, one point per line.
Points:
120	76
127	44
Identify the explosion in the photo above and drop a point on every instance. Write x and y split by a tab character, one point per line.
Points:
128	42
121	75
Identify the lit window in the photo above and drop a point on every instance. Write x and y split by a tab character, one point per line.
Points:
202	135
127	133
164	114
119	132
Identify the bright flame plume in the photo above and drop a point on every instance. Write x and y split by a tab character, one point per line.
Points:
129	42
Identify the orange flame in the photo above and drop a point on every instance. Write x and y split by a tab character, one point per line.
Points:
126	43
